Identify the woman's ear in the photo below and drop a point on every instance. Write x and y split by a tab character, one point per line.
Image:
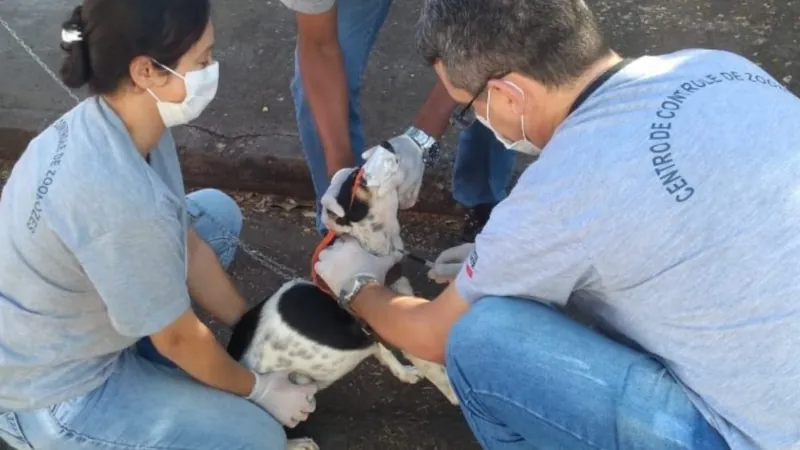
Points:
144	73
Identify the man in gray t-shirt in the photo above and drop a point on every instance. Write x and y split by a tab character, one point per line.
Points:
664	209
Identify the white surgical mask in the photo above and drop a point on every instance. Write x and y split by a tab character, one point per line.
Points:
523	145
201	87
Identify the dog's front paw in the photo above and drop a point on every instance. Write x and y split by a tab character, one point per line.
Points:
301	444
407	374
402	286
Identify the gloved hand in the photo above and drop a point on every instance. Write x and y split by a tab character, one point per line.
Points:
287	402
411	168
345	259
449	263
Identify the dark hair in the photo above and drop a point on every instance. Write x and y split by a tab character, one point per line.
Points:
117	31
551	41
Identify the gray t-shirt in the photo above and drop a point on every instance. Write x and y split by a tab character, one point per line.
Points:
667	208
92	255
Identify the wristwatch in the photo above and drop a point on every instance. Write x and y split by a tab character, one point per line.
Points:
430	146
351	289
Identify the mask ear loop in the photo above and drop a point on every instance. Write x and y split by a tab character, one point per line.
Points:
488	103
522	114
169	70
149	91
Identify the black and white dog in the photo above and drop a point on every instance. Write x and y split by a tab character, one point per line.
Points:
302	329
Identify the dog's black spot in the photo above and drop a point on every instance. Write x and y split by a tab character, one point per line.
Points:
284	362
376	227
359	209
316	316
280	345
244	331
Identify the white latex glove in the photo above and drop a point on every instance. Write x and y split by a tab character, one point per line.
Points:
345	259
449	263
287	402
328	200
411	168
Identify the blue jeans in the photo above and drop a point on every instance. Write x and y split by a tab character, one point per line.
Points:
483	167
146	405
529	377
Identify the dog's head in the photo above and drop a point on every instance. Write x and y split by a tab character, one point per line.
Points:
371	218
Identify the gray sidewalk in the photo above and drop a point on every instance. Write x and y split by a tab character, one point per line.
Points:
248	137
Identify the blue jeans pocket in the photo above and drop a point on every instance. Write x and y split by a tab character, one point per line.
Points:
11	432
68	412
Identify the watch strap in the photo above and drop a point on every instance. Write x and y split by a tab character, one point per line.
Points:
349	292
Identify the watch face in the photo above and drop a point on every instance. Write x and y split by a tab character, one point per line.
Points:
432	155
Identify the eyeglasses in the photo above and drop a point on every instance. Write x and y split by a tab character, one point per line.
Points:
464	117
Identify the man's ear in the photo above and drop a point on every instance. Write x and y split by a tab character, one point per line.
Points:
509	93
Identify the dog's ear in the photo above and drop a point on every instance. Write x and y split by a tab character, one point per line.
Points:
361	200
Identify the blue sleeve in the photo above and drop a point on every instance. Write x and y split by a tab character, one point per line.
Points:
139	270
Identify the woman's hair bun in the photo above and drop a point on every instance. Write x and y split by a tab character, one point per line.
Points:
75	69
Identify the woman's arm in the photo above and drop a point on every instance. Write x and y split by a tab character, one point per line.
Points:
189	344
209	284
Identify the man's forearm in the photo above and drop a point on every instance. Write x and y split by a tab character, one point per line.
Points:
434	115
401	320
325	86
209	284
196	350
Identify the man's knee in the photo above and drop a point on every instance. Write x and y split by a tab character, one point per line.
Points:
475	329
486	325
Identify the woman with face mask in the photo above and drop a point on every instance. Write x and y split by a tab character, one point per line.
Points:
101	253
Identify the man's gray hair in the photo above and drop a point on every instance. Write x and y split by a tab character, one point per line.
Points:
551	41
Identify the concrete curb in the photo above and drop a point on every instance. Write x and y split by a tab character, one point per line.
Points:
259	163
